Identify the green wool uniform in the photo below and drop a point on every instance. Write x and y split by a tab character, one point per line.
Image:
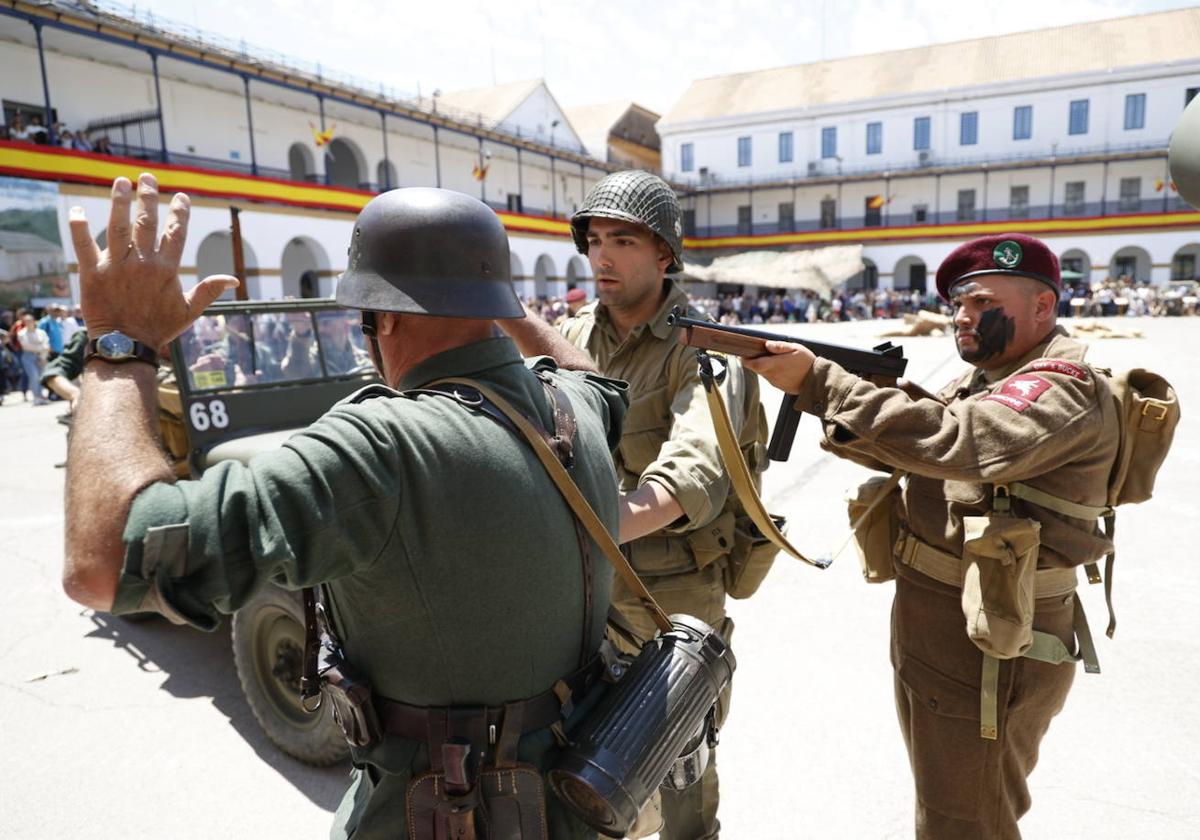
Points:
69	363
669	439
1047	421
451	561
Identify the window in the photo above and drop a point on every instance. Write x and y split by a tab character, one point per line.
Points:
1183	267
1078	121
921	133
787	217
1022	122
1073	204
874	138
1018	202
828	213
687	159
968	128
1131	195
785	147
829	142
743	151
872	205
920	214
1135	111
1126	266
744	221
689	222
966	206
514	203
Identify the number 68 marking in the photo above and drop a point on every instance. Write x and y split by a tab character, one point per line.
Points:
204	415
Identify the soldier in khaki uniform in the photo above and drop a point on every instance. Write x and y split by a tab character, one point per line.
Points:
1032	417
677	507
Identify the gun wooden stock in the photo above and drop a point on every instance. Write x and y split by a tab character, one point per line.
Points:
885	360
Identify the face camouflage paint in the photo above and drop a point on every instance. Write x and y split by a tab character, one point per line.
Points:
992	336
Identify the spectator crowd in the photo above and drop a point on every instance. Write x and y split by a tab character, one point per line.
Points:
32	129
28	343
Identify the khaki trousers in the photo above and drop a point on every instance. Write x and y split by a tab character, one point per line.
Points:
689	814
969	788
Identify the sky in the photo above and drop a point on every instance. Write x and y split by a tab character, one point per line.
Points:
597	52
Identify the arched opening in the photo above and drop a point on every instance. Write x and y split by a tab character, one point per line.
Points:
215	256
300	162
344	166
1183	264
1131	263
579	276
545	280
909	274
1076	267
868	278
385	176
304	269
521	281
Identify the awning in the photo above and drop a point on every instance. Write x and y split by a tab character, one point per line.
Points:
818	269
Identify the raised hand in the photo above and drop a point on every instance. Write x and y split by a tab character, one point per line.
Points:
133	286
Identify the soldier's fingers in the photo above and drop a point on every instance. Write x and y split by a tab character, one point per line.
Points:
170	248
87	254
145	226
206	291
119	230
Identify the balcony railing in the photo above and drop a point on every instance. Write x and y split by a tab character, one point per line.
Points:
830	169
1116	207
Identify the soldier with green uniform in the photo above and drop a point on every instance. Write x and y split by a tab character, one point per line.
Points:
678	511
452	570
1007	468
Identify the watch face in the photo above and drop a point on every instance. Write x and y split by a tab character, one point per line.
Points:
114	345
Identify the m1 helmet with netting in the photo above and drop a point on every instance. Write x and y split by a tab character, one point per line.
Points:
429	252
634	196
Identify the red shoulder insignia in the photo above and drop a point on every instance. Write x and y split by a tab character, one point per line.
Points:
1015	403
1027	386
1059	366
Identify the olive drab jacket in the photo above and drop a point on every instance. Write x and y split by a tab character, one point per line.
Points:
1048	420
668	433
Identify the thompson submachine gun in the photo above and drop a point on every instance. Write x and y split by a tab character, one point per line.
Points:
886	360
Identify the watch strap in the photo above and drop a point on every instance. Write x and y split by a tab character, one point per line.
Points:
140	353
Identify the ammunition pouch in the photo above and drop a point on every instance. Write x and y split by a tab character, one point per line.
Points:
875	522
752	557
499	803
998	587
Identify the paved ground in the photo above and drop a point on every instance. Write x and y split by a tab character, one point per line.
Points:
115	730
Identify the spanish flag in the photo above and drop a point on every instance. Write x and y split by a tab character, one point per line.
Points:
479	172
874	202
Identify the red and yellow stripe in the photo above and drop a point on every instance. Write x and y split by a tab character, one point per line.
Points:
44	163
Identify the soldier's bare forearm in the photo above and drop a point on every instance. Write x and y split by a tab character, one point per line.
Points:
114	452
648	509
534	337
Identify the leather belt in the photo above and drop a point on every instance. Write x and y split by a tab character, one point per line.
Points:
538	712
947	568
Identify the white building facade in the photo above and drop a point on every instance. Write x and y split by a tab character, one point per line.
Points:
1061	133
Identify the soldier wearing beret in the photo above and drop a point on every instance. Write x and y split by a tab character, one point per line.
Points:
983	659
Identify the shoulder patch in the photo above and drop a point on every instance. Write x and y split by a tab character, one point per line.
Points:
1059	366
1015	403
1027	386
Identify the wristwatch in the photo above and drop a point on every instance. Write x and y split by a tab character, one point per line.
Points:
116	347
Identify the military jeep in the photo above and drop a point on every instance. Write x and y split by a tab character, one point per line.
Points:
250	374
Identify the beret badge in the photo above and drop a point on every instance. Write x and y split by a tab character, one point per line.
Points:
1008	254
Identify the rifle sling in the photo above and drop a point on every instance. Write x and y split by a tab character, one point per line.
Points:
739	472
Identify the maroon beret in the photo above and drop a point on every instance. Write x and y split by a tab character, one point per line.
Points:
1003	253
575	295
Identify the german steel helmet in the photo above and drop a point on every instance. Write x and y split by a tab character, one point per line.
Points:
429	252
635	196
1184	154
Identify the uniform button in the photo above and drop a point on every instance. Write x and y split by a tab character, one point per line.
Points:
818	408
933	704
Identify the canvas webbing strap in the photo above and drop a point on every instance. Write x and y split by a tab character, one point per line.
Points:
739	472
989	683
947	568
574	498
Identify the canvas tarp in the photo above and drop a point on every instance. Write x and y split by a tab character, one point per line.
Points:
819	270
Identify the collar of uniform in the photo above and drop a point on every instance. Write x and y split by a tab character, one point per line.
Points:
657	324
1058	344
463	361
